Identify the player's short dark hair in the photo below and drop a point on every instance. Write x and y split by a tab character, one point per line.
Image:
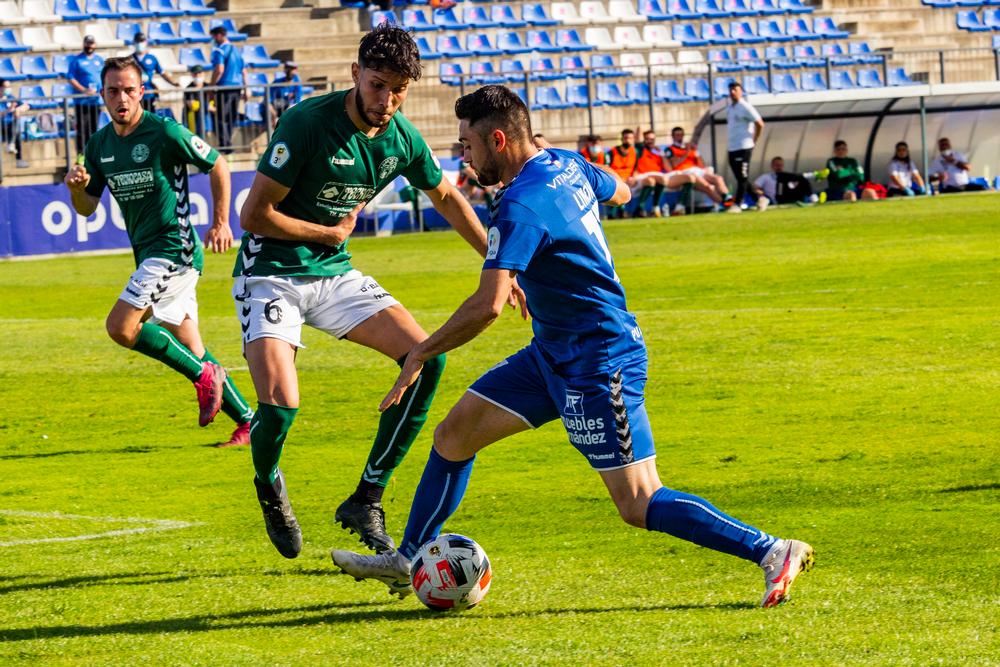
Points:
649	132
777	157
389	48
120	64
839	142
902	144
498	107
627	131
735	84
676	129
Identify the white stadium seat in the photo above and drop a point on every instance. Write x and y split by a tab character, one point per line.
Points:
594	12
633	63
600	39
67	36
658	35
168	60
102	33
565	12
691	61
662	62
39	11
39	39
624	11
11	15
628	36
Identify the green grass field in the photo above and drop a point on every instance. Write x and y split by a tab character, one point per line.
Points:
831	374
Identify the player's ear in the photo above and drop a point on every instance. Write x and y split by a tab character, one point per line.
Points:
499	140
355	73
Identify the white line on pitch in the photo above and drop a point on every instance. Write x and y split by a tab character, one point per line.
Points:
151	526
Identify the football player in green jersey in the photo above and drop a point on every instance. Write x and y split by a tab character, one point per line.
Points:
142	158
329	156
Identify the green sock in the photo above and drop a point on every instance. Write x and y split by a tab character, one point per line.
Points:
644	195
156	342
268	430
685	199
657	194
233	403
400	424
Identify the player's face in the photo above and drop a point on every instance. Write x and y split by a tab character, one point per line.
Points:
777	166
678	137
628	139
840	151
123	95
736	94
480	154
379	94
649	139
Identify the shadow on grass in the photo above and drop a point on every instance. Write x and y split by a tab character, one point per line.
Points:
971	487
132	449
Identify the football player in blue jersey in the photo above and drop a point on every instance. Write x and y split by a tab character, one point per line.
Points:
585	365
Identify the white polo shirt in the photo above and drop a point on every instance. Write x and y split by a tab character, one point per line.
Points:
769	184
952	174
740	119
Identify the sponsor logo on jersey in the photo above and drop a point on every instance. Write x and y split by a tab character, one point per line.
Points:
387	167
140	153
342	161
568	175
344	193
574	403
127	180
492	243
279	155
108	159
200	147
580	429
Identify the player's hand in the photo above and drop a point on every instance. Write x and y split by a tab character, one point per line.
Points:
219	238
411	369
517	298
343	229
77	178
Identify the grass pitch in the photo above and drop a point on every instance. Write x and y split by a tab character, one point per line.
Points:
829	374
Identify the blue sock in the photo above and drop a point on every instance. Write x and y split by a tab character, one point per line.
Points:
440	491
694	519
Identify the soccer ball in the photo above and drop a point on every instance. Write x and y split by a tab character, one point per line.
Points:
451	572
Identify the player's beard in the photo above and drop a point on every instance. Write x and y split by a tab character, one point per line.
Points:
360	106
488	172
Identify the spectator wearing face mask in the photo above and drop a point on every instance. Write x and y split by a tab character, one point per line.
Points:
84	75
593	150
622	160
150	67
10	111
904	177
951	169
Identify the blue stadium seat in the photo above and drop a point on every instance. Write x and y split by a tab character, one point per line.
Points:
573	67
35	97
69	10
863	53
768	7
637	92
511	44
162	32
795	7
715	33
721	86
415	20
475	16
711	9
685	34
806	56
824	26
256	81
679	9
543	69
232	34
35	67
784	83
778	55
771	31
547	97
513	69
126	31
798	29
668	90
534	14
426	51
164	8
603	65
653	10
739	8
991	18
841	80
744	33
449	47
610	93
577	95
10	44
940	3
445	19
869	78
450	74
812	81
190	56
749	57
60	63
503	15
132	9
8	71
253	114
969	20
539	40
380	17
723	61
756	85
193	32
521	93
569	40
697	89
195	8
101	9
484	73
479	43
899	77
837	55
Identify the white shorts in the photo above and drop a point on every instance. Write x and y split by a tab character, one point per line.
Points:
166	287
698	172
278	306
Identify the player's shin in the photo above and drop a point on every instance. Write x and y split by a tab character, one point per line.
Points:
695	519
233	403
268	430
438	495
156	342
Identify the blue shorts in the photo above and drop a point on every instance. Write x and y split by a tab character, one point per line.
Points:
604	414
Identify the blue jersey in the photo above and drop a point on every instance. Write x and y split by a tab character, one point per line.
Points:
293	94
229	57
150	66
86	70
545	225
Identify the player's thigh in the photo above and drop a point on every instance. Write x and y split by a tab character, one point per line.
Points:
392	331
123	322
187	333
631	488
474	423
272	367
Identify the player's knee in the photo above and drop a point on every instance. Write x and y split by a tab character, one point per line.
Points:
633	512
451	442
120	332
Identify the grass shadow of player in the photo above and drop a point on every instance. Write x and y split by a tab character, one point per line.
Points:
117	579
131	449
615	609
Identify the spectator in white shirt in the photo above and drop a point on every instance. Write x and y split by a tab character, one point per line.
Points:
781	187
951	170
744	126
904	177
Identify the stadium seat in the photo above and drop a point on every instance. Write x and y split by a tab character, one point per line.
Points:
67	36
162	32
899	77
603	65
711	9
771	31
750	58
940	3
475	16
132	9
547	97
739	8
535	14
126	32
653	11
101	9
798	29
806	56
991	18
779	58
863	53
784	83
625	12
164	8
668	90
513	70
10	14
681	10
611	94
836	54
600	39
569	40
69	10
379	17
841	80
825	27
566	13
450	74
689	60
573	67
756	85
969	20
637	92
193	32
415	20
743	32
723	61
10	44
191	56
256	81
658	35
768	7
232	34
101	30
445	19
168	60
720	85
869	78
685	34
35	97
629	37
795	7
511	44
503	15
662	62
60	63
425	49
479	44
38	39
543	69
812	81
40	11
595	12
8	72
539	40
449	47
578	96
715	33
633	63
697	89
483	72
195	8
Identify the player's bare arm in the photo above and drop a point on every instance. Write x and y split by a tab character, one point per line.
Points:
623	193
260	216
455	208
471	319
77	180
219	238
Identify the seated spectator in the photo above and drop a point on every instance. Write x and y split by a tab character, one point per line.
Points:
10	128
285	95
904	178
651	178
622	160
951	170
847	178
782	187
593	150
540	141
684	158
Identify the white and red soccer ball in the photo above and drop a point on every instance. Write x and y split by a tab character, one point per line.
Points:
451	572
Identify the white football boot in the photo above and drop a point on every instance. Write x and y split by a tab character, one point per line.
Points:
390	567
785	561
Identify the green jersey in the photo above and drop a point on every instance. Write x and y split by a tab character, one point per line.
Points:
845	173
147	174
330	167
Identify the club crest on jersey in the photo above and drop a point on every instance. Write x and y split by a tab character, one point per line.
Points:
201	148
574	402
279	155
140	153
387	167
492	243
